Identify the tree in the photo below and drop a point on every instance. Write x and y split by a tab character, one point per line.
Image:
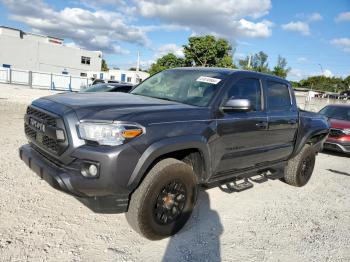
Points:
256	62
168	61
104	66
323	83
281	68
347	81
207	51
259	62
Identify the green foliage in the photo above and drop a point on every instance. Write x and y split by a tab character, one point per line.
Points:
258	62
207	51
104	66
165	62
323	83
281	68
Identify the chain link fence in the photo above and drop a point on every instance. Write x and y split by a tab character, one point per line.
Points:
43	80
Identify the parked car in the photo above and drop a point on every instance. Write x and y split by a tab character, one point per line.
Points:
148	152
101	81
339	135
110	87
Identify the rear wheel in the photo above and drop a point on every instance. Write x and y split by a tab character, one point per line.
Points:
299	169
164	201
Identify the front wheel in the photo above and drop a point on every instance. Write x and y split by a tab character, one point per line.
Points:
299	169
164	201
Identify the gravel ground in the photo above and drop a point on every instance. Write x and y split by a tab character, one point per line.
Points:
270	222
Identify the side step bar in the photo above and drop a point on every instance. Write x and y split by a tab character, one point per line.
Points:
239	184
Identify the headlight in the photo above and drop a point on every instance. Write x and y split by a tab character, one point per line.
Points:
110	134
346	131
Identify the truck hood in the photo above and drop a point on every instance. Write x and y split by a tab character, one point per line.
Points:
340	124
105	106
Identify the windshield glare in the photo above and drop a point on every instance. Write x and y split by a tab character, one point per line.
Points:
336	112
99	88
193	87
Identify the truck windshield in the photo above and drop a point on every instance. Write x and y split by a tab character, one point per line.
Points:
193	87
336	112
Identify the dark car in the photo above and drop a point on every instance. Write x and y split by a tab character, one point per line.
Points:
148	152
110	87
339	135
102	81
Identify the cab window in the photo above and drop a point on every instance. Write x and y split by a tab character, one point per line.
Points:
248	88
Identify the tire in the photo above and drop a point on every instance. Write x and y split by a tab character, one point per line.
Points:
170	185
299	169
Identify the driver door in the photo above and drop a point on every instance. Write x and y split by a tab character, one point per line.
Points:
242	135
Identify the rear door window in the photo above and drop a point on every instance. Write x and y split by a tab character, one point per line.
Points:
278	96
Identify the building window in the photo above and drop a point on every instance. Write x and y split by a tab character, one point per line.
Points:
85	60
112	77
123	76
128	79
83	74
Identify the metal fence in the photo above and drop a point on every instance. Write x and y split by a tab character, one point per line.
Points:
43	80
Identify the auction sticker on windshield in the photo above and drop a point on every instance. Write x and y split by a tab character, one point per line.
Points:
209	80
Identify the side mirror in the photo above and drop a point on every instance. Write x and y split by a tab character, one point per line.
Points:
237	105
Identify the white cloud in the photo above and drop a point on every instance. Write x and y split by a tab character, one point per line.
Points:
302	60
170	48
342	17
327	73
298	26
97	30
343	43
297	74
226	18
315	17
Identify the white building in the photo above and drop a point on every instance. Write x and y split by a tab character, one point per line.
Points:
133	77
35	52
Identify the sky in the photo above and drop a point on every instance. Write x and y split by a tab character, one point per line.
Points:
313	35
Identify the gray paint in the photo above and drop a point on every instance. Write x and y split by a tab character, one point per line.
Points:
230	143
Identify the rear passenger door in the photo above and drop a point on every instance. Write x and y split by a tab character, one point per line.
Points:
282	116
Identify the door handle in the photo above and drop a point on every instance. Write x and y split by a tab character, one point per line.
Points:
292	122
262	124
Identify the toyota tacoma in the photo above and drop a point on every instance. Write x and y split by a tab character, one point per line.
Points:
147	152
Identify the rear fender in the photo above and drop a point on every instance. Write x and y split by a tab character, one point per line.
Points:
313	130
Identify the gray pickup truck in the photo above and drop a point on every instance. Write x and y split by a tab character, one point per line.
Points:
148	152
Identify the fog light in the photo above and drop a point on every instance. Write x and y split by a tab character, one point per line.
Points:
89	170
93	170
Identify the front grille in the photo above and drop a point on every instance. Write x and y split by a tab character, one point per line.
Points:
333	132
29	131
44	138
50	143
49	120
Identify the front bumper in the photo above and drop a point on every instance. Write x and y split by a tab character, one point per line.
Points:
339	146
100	195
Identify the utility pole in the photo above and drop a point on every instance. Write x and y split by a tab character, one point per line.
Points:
249	61
321	69
138	62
